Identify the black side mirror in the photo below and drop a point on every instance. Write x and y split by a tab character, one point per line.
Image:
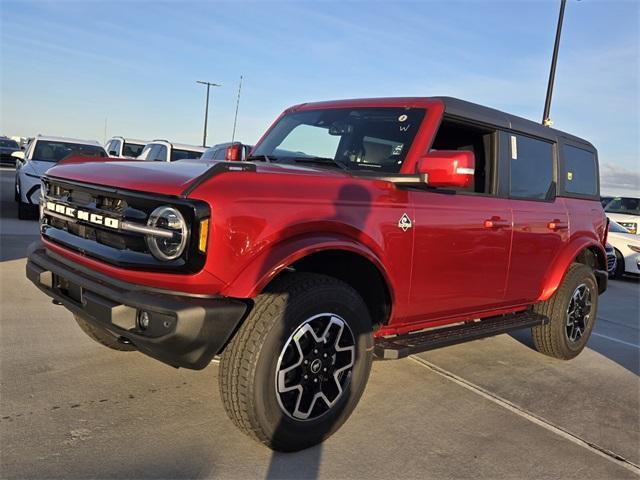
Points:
113	153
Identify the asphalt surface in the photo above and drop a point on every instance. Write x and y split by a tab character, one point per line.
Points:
493	408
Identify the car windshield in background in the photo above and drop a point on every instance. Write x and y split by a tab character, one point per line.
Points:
375	139
183	154
627	205
9	144
132	149
48	151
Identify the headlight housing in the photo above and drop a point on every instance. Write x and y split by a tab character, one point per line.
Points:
167	218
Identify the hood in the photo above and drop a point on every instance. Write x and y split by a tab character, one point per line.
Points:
167	178
36	167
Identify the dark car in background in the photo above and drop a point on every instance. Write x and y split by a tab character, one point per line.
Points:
7	147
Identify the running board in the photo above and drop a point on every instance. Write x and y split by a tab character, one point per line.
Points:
400	346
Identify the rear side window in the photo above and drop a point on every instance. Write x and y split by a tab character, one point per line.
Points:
220	154
531	168
579	175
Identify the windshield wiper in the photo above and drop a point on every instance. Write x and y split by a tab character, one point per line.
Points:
321	161
260	158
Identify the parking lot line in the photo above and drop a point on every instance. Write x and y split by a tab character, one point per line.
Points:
628	344
602	452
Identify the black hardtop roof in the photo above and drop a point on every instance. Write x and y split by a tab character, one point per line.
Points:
454	107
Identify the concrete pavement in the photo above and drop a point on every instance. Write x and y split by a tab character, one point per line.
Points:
492	408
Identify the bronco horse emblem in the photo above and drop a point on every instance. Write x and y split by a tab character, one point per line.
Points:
405	222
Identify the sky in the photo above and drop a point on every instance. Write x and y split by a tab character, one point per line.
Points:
69	67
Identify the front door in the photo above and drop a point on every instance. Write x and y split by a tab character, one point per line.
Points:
461	253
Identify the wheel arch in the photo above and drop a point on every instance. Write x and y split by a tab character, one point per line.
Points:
344	259
582	250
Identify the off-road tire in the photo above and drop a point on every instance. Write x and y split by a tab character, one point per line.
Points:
552	338
102	337
249	363
619	271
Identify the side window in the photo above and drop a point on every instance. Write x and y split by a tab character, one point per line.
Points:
116	146
531	168
579	173
107	147
159	154
453	135
146	152
207	155
220	154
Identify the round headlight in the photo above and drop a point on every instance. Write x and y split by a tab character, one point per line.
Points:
167	218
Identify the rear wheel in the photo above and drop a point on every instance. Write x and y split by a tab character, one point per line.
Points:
102	337
572	312
297	367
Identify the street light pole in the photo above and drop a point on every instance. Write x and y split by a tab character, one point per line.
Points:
546	121
206	109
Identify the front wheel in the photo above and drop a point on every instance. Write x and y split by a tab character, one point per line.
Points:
572	312
296	369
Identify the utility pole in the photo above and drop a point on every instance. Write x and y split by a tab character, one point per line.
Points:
104	136
206	109
546	120
235	119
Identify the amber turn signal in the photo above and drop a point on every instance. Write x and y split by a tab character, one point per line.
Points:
204	235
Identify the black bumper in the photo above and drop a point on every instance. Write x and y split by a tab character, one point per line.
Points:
184	331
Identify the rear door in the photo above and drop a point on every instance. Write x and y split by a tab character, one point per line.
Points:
541	223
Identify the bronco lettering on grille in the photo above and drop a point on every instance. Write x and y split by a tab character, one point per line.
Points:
83	215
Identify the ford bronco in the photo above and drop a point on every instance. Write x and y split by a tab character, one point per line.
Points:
356	230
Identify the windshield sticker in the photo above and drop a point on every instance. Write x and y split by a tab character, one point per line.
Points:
569	175
397	150
514	147
402	118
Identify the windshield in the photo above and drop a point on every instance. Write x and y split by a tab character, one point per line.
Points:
183	154
132	149
627	205
358	138
49	151
9	144
616	227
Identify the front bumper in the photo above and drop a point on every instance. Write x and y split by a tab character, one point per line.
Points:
184	331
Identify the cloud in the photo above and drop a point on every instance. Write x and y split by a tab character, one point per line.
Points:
617	180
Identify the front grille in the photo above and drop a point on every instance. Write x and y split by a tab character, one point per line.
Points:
611	261
100	222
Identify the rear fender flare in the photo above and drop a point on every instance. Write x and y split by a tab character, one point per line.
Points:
558	269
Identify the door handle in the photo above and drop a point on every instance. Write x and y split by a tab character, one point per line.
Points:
556	225
496	222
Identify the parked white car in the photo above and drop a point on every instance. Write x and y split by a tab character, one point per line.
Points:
165	151
627	249
123	147
41	154
625	211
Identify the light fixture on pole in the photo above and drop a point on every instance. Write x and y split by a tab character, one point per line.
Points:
206	109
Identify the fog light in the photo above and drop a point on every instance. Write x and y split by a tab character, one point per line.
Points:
143	320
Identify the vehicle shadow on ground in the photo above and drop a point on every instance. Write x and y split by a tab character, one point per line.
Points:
624	353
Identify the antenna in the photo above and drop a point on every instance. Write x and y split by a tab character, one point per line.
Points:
235	120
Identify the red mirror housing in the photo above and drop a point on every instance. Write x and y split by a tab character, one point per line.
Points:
448	168
234	153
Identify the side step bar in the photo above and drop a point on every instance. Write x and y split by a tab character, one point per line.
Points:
400	346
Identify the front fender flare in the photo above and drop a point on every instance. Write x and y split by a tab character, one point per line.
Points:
269	263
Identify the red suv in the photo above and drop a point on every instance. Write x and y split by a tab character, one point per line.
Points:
358	229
